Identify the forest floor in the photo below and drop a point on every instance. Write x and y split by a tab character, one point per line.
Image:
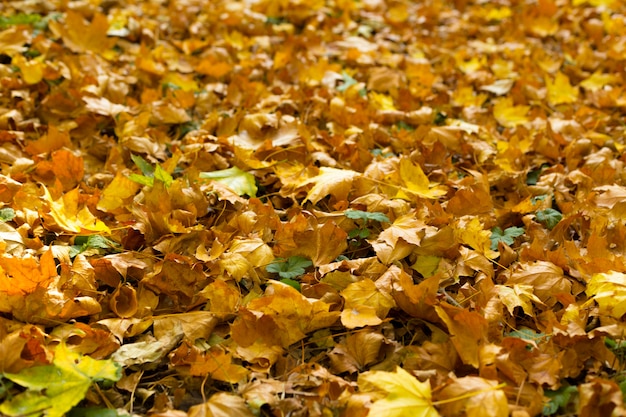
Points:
312	208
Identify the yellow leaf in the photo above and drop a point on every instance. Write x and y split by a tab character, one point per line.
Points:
400	239
218	364
186	83
333	181
416	182
118	193
364	293
609	292
509	115
66	214
472	233
426	265
474	397
406	396
560	91
80	36
359	316
518	295
32	71
221	404
598	80
381	101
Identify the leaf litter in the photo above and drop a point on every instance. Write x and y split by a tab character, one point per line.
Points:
383	208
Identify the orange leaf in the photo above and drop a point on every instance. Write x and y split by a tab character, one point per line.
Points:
24	275
80	36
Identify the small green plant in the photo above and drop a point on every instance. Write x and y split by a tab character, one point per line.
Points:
507	236
363	221
548	217
94	244
559	399
289	268
7	214
618	347
348	82
150	173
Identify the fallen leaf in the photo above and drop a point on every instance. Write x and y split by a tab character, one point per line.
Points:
403	394
55	389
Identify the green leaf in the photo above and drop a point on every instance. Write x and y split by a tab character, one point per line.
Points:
142	179
7	214
289	268
507	237
163	176
292	283
366	215
404	126
548	217
525	333
237	180
92	412
150	173
533	176
54	389
558	399
19	19
143	165
348	82
84	243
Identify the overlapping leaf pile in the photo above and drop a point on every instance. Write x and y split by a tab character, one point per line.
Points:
314	208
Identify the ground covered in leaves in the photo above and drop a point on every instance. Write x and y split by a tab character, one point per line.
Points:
312	208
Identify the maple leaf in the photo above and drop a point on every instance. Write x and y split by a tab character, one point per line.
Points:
32	71
509	115
470	231
415	182
365	304
609	291
560	90
24	275
80	36
55	389
518	295
221	404
333	181
239	181
475	397
507	236
403	394
400	239
66	214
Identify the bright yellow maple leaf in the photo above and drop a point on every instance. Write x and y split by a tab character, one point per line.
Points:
416	183
509	115
560	91
608	290
518	295
69	217
598	80
471	232
359	316
80	36
118	193
381	101
333	181
365	303
32	71
405	395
